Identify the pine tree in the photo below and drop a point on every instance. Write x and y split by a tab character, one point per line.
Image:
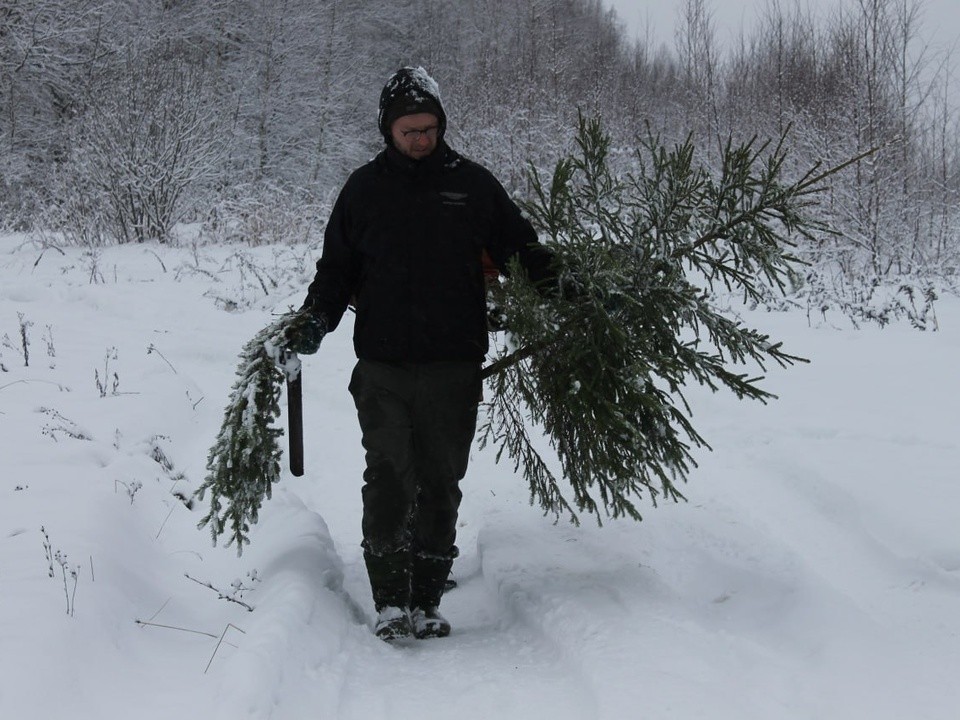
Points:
602	364
244	462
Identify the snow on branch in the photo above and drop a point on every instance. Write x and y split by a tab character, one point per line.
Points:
244	461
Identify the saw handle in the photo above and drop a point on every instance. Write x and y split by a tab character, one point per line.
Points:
295	421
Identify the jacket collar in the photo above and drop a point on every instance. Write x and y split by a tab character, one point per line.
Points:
430	165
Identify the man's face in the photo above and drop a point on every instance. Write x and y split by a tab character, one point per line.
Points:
415	135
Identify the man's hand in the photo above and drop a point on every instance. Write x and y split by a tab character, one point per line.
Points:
303	333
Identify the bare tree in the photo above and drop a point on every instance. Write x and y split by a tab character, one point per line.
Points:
697	54
50	50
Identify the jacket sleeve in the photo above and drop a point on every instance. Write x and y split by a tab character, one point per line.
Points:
338	268
515	237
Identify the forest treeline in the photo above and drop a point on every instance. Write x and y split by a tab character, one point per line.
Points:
120	119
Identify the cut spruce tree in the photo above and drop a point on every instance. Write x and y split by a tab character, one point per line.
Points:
601	365
596	368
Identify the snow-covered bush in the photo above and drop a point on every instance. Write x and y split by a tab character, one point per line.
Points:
265	214
148	139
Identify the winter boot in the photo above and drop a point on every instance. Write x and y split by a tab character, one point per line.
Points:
427	622
393	623
390	584
427	582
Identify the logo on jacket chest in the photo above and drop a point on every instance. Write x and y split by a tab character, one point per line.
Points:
455	199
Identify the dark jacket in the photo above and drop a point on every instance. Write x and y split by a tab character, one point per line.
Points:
405	240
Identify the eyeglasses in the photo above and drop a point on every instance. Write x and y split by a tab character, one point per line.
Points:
430	133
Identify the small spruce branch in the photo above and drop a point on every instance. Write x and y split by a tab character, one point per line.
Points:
244	462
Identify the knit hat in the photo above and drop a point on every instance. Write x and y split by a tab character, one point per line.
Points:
410	91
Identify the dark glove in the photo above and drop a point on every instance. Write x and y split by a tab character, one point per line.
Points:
304	332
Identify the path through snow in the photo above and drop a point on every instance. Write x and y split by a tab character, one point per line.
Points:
814	573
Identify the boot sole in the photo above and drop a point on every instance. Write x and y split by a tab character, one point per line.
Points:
394	632
389	635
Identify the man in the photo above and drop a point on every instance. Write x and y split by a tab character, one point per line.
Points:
405	242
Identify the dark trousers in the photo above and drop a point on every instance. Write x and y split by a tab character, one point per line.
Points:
418	422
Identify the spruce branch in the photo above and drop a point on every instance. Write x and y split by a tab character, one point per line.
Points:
244	462
603	370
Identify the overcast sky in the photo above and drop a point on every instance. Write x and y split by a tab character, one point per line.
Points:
941	17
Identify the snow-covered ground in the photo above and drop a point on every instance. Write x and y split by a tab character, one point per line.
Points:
814	572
